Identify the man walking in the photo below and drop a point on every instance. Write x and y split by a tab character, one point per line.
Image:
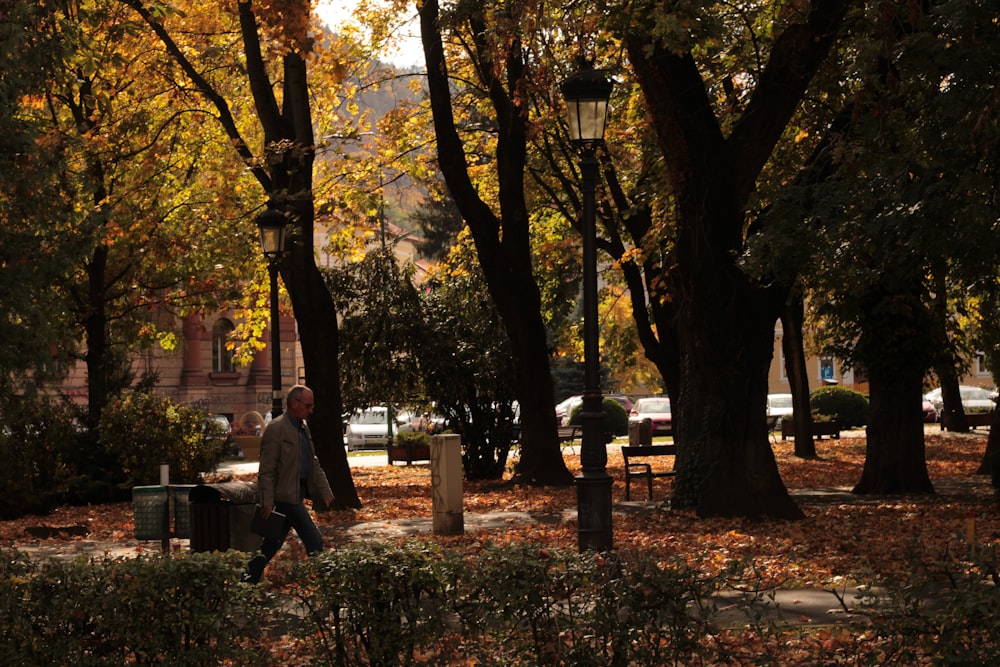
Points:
289	472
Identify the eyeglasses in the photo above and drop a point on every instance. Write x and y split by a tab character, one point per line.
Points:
304	404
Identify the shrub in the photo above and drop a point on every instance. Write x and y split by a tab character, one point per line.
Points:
188	610
411	439
615	418
516	603
373	603
37	442
847	406
141	431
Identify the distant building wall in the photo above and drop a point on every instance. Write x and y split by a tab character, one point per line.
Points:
196	374
821	369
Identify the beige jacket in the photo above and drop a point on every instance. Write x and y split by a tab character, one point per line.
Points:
278	475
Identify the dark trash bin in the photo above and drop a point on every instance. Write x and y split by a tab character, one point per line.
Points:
150	507
640	433
180	495
221	515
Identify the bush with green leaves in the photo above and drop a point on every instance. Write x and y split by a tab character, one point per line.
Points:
37	441
615	418
846	406
947	609
411	439
515	603
186	610
372	603
139	431
508	604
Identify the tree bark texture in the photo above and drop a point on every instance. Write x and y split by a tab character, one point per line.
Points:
285	174
502	243
895	460
725	321
793	347
289	154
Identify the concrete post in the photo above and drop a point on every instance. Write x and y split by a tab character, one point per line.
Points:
446	485
165	483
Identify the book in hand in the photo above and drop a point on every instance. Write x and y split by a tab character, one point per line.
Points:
272	527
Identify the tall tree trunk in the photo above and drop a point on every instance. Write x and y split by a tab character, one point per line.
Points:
285	174
655	333
291	172
793	347
502	244
725	321
895	460
725	464
990	464
98	358
895	348
991	457
952	415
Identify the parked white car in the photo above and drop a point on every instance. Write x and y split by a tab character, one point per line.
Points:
779	405
368	429
974	399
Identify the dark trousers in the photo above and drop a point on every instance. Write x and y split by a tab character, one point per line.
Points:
297	517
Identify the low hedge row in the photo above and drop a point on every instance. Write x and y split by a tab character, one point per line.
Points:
376	604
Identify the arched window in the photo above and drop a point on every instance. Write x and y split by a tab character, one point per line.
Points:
222	358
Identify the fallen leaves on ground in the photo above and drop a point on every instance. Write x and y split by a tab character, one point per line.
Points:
842	537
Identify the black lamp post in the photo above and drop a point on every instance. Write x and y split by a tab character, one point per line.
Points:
272	240
587	93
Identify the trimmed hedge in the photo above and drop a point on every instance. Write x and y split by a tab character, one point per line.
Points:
189	610
847	406
514	604
615	418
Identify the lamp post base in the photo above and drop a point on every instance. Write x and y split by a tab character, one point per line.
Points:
593	507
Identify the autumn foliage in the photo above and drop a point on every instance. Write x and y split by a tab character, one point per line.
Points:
841	536
843	541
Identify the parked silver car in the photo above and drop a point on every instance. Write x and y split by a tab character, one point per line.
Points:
974	399
779	405
369	429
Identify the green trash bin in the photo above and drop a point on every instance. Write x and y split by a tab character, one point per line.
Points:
152	515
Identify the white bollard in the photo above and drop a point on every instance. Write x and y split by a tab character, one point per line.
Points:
446	485
165	483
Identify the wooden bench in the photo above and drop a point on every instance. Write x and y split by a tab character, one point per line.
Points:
569	434
644	469
973	419
819	429
977	419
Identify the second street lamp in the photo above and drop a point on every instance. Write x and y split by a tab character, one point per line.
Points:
271	223
587	93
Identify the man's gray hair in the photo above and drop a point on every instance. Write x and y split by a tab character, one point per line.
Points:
295	393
